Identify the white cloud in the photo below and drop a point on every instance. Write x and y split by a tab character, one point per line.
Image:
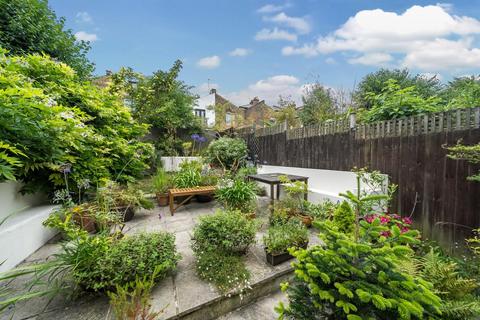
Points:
85	36
429	38
443	54
83	17
270	8
269	89
275	34
240	52
300	25
209	62
372	59
430	75
330	60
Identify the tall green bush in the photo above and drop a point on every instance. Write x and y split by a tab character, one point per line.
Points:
227	153
65	127
30	26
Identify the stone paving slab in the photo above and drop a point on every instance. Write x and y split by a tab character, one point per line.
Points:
180	295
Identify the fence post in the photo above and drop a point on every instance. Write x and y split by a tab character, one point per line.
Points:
352	120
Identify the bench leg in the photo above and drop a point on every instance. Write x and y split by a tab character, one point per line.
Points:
170	202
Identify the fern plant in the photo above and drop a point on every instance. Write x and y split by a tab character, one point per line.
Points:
459	302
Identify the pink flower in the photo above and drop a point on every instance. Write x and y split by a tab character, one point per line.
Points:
407	220
384	219
370	218
405	229
395	216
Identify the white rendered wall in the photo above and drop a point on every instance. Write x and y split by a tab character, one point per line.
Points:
173	163
322	184
22	233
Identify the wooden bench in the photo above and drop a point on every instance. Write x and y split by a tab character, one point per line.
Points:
189	192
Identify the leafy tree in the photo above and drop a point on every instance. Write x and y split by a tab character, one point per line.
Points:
30	26
318	105
64	129
162	101
397	102
469	153
463	93
376	83
287	113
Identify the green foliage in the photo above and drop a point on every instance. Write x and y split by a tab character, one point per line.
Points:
62	123
226	271
474	242
348	279
469	153
189	175
287	113
132	301
218	241
321	211
462	93
224	231
318	105
228	153
112	196
161	181
459	302
236	194
10	160
30	26
280	237
101	263
395	101
162	101
344	218
376	82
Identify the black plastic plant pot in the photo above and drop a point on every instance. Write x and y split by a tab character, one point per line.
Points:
275	259
126	213
204	198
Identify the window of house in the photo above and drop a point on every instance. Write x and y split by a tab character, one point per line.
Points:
200	113
228	118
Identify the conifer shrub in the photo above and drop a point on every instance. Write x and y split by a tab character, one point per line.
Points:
358	279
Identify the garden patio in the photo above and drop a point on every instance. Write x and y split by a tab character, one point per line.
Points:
182	294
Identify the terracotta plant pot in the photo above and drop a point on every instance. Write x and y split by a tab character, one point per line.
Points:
86	222
162	199
274	259
307	220
126	213
251	215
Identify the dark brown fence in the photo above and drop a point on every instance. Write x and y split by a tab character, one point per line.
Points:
434	188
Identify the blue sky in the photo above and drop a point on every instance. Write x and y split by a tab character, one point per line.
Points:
258	48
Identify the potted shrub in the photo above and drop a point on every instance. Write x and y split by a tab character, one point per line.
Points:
280	237
225	231
237	194
161	183
122	200
69	218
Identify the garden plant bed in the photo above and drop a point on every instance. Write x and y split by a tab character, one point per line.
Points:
181	295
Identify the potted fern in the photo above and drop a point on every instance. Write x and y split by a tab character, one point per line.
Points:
282	236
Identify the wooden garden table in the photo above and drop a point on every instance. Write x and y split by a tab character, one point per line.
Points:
273	179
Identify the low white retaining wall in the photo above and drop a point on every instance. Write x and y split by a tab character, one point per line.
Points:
22	233
173	163
322	184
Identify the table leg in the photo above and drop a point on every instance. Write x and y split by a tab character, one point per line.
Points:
306	193
170	200
278	191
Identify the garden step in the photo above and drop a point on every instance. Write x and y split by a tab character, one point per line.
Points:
263	308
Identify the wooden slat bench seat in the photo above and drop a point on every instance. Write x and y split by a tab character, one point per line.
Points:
189	192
